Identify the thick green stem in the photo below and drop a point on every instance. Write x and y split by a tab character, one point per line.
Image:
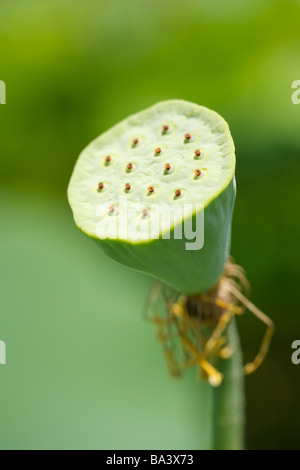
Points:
229	399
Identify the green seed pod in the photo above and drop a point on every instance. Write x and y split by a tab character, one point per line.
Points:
155	186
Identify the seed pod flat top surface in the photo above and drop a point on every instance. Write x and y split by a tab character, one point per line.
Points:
173	152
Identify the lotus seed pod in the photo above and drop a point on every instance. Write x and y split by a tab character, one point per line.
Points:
181	174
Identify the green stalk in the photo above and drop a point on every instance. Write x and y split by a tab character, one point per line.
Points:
228	414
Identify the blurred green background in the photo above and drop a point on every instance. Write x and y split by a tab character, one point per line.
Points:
83	369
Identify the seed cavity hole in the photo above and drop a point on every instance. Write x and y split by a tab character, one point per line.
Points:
151	190
100	187
128	188
158	151
199	174
145	214
135	142
112	210
166	129
130	167
188	138
178	193
107	160
198	154
168	169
